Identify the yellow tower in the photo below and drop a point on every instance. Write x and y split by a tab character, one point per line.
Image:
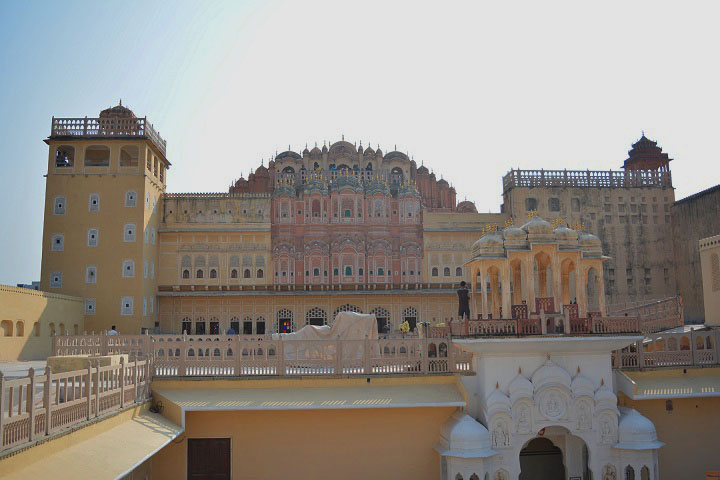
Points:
105	181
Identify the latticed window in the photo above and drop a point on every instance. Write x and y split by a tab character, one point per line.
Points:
715	271
347	308
284	321
316	316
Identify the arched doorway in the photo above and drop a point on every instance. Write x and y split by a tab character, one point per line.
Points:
540	459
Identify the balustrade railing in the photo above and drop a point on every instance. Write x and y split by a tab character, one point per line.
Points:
586	178
656	315
694	348
245	355
107	127
36	406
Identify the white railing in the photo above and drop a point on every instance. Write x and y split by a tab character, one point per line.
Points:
36	406
694	348
246	355
107	127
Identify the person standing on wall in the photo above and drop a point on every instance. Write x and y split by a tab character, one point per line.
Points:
464	304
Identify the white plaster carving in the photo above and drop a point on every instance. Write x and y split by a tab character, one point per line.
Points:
609	472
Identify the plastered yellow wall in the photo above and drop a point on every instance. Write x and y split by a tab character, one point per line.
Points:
28	318
111	184
690	432
314	444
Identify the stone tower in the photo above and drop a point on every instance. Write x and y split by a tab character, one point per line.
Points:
105	180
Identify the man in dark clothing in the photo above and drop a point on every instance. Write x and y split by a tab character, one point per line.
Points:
463	301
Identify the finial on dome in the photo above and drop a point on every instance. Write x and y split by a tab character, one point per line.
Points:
395	147
578	369
497	385
121	106
519	370
602	382
548	357
343	137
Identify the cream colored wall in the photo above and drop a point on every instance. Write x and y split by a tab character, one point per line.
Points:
709	254
690	432
176	245
448	239
433	308
26	308
635	243
111	184
312	444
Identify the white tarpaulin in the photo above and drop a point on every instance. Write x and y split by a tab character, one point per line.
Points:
319	342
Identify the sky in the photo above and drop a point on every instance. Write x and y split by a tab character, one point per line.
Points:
470	89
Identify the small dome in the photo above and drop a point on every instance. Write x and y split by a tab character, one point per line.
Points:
288	154
369	151
261	170
465	206
520	387
324	149
442	183
463	436
491	242
423	170
637	432
315	151
395	154
566	235
550	374
360	149
590	243
378	153
604	397
537	226
306	152
582	386
514	233
497	401
118	111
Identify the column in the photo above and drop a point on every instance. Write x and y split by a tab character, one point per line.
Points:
581	280
483	290
505	275
529	284
556	282
601	291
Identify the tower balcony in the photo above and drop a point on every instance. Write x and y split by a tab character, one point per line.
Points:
107	128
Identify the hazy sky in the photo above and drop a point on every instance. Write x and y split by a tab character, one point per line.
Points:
472	89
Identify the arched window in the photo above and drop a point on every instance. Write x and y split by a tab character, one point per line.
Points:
474	477
410	315
629	473
213	273
458	272
285	321
19	328
458	477
36	329
129	155
382	316
7	328
97	156
233	273
199	273
186	274
446	271
52	329
246	273
260	273
434	272
316	316
64	156
348	271
645	473
346	308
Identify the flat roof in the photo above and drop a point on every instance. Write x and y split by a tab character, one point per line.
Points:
669	383
109	455
315	398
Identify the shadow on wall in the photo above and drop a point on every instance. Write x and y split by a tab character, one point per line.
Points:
29	318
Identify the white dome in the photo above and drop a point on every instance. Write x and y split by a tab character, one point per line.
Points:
582	386
463	436
637	432
520	387
566	236
497	401
550	374
514	233
590	243
605	399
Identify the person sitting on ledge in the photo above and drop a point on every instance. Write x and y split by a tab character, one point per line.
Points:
231	331
112	331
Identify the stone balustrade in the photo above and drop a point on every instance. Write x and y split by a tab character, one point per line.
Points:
107	128
247	355
586	178
36	406
694	348
655	316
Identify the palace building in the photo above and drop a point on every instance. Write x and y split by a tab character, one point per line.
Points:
304	324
